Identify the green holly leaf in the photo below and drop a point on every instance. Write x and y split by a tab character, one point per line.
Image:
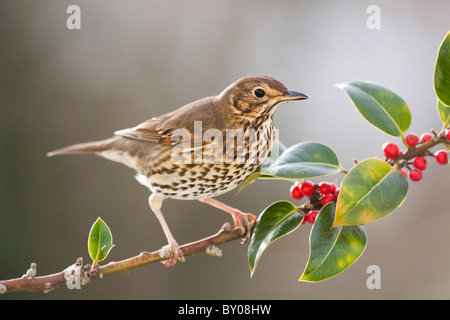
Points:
250	179
442	72
303	160
332	250
100	241
379	106
444	113
371	190
276	221
277	150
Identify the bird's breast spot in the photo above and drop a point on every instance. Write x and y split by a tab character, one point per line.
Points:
156	181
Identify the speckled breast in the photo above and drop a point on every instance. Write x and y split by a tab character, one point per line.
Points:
216	168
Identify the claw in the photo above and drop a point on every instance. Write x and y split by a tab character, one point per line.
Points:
171	253
245	222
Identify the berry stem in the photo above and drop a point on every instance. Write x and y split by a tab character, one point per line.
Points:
422	150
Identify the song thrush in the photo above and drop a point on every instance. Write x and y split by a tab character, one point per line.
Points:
202	150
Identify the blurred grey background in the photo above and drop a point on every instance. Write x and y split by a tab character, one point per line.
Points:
132	60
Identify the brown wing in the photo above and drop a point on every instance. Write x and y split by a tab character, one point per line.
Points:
160	129
149	131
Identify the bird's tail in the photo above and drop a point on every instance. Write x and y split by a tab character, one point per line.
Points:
87	147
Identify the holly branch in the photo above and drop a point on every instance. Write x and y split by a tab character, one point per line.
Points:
77	274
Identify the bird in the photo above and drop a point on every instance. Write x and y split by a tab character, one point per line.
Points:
202	150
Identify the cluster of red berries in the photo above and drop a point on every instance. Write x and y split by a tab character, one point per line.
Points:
325	192
392	152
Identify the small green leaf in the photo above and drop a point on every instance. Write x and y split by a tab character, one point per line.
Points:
276	221
332	250
379	106
100	241
252	177
371	190
442	72
304	160
444	113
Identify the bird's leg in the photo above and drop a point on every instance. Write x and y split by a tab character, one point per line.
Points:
244	221
176	253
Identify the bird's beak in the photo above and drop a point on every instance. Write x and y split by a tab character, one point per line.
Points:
292	95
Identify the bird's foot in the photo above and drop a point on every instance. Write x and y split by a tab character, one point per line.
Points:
171	253
245	222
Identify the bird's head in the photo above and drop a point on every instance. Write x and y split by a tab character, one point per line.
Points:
256	96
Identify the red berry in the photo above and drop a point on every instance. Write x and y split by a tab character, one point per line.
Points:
403	173
311	216
441	156
391	150
307	188
425	137
333	187
412	139
415	175
304	218
325	188
447	134
420	163
328	198
336	193
295	192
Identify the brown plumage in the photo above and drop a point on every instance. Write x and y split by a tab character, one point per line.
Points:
185	154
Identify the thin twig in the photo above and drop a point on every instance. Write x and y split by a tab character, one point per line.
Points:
76	275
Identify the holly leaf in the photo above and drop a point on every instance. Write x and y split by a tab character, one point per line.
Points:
304	160
371	190
442	72
250	179
276	221
332	250
444	113
99	242
277	150
379	106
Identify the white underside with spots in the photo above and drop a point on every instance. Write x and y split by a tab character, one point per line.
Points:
193	182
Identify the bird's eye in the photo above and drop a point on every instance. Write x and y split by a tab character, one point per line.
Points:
259	93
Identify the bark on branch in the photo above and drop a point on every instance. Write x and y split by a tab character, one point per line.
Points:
77	275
